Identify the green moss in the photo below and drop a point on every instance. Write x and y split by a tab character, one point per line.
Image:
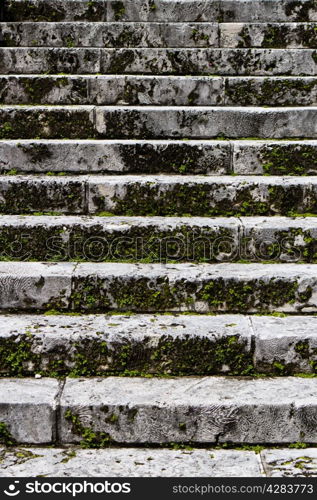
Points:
90	438
119	10
6	438
293	159
298	446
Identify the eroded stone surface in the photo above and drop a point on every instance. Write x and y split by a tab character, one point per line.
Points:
158	61
160	10
206	157
290	463
91	345
27	409
130	462
192	409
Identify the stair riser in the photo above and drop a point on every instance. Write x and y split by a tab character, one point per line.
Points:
155	196
153	288
179	345
228	62
130	10
239	35
181	240
111	35
150	157
100	412
159	91
88	122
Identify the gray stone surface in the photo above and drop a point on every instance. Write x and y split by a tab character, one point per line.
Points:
83	34
34	285
199	288
277	158
201	195
159	344
120	462
172	156
290	463
158	239
198	410
158	90
278	35
152	122
285	344
203	288
152	35
279	238
158	61
86	238
176	195
160	156
126	344
36	194
148	122
27	408
177	11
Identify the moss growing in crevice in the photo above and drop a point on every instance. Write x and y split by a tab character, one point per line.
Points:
6	438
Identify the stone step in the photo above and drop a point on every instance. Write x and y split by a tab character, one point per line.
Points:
148	345
163	195
73	461
151	35
97	412
156	122
244	157
158	239
143	462
160	10
159	61
158	90
202	288
115	35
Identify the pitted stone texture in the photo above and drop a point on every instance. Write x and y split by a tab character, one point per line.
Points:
83	156
176	11
230	62
158	90
158	195
156	239
83	34
275	158
290	463
34	285
284	345
116	462
53	122
160	156
203	288
198	410
279	238
158	61
49	60
201	196
205	122
26	194
273	35
55	10
108	90
154	122
270	91
151	344
27	408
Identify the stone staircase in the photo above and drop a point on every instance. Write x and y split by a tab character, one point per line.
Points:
158	229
